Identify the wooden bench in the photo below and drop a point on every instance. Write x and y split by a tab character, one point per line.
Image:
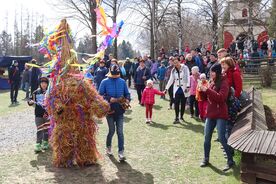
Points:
251	137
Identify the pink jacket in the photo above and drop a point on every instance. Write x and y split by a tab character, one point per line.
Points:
148	95
193	85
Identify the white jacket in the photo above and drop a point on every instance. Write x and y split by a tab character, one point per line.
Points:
182	80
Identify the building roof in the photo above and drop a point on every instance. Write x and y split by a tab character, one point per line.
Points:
250	134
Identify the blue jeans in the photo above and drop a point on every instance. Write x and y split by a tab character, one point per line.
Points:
115	121
27	89
210	125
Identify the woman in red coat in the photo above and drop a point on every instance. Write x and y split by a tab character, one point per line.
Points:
233	75
217	114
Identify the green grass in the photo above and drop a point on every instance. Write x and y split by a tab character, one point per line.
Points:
268	94
159	153
5	103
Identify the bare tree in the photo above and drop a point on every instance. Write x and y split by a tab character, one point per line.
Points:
152	13
83	11
115	6
212	11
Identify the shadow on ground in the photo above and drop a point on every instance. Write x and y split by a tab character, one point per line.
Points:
197	128
92	174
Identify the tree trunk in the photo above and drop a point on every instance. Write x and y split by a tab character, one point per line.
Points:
114	19
93	20
215	25
152	31
250	21
179	26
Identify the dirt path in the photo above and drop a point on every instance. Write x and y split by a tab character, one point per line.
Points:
16	130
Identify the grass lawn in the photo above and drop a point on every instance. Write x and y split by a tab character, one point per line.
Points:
5	102
158	153
161	153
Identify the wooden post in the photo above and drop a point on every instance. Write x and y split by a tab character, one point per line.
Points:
247	177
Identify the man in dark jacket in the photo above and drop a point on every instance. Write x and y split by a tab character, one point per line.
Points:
36	73
100	74
26	80
141	76
128	68
14	80
108	63
213	60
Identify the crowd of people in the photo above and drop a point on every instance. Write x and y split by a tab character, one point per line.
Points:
203	82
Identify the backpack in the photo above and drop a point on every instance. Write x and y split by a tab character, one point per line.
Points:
234	106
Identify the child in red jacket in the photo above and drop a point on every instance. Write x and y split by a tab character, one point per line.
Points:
148	99
202	97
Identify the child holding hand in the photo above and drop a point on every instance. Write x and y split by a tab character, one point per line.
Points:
202	97
148	99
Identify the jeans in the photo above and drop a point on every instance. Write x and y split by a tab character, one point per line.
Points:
140	88
14	91
115	121
210	125
42	125
171	95
229	128
27	89
179	99
128	78
193	103
162	85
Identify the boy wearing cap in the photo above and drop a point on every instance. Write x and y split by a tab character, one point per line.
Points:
112	89
41	116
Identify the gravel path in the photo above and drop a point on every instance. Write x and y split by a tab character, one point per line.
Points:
16	130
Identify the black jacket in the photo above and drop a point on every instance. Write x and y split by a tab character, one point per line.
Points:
39	96
14	74
128	67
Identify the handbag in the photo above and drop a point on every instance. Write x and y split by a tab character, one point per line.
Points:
244	98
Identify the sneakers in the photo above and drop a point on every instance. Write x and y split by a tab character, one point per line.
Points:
45	145
109	151
121	156
148	121
229	166
204	163
37	148
176	121
182	119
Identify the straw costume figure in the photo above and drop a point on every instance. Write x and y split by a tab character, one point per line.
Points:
72	103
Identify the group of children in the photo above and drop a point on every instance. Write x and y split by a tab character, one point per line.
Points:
198	101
